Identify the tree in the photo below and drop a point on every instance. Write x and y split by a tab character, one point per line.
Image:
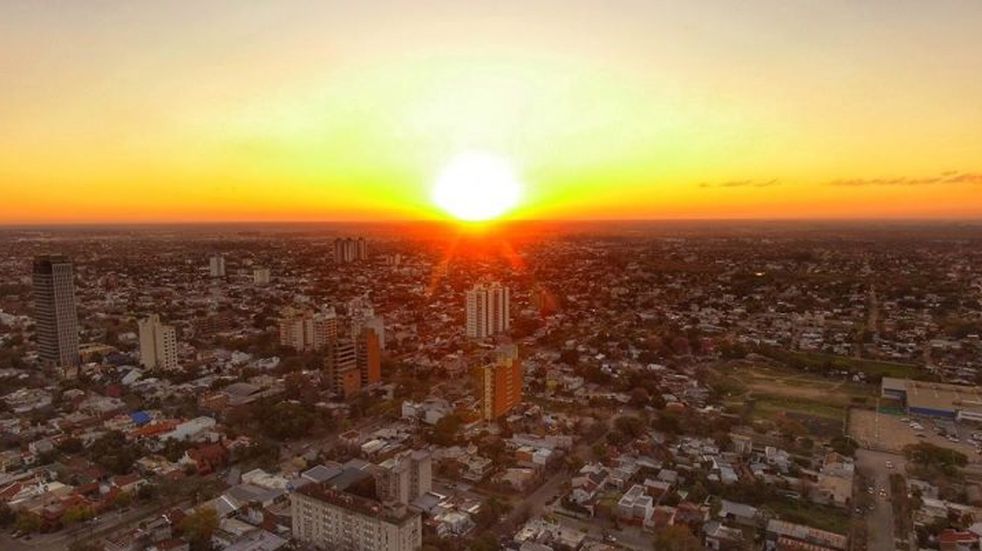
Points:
677	537
7	515
484	543
199	526
27	522
844	445
77	514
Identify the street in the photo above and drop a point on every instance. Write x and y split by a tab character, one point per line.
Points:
880	519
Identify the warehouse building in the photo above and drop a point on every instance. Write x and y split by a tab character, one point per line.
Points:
958	402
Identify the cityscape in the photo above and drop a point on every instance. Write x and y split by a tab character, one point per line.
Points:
676	386
524	275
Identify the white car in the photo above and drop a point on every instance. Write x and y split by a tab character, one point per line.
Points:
889	464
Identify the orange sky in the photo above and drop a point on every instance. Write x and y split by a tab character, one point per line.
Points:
304	110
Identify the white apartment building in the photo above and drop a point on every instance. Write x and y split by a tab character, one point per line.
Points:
216	266
488	310
260	276
405	477
158	343
339	521
304	330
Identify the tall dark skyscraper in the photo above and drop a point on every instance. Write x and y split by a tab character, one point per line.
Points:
54	305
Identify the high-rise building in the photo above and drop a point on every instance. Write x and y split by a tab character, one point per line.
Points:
56	320
499	382
361	249
158	343
260	276
361	314
304	330
404	477
369	354
488	310
326	518
216	266
348	249
341	365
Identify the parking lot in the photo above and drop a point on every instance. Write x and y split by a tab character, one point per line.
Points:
887	432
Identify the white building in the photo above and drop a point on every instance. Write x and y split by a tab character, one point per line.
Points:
158	343
362	315
188	430
304	330
216	266
260	276
329	519
403	478
488	310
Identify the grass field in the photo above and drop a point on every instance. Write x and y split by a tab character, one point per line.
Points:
818	402
817	361
822	517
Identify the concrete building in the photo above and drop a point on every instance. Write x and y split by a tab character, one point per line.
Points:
260	276
341	364
216	266
54	305
488	310
361	314
340	521
499	382
369	355
158	343
405	477
348	250
303	330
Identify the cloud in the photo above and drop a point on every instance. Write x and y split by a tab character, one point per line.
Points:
948	177
740	183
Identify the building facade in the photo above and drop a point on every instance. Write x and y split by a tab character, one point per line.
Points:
487	310
405	477
499	382
55	316
216	266
158	343
304	330
348	249
339	521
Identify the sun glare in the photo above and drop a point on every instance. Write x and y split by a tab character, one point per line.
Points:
477	186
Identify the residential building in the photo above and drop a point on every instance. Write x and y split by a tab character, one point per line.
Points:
341	364
158	343
260	276
331	519
488	310
404	477
499	382
55	316
369	356
303	330
348	250
216	266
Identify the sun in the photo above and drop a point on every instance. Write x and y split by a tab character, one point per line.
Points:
477	186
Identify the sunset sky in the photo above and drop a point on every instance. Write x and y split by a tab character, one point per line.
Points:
312	110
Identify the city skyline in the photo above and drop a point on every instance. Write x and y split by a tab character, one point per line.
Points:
321	111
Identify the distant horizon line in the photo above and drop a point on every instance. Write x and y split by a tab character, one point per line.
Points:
503	222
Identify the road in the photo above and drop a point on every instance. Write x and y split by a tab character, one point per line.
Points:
880	520
554	486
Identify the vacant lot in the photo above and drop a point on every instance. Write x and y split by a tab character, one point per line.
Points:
819	403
